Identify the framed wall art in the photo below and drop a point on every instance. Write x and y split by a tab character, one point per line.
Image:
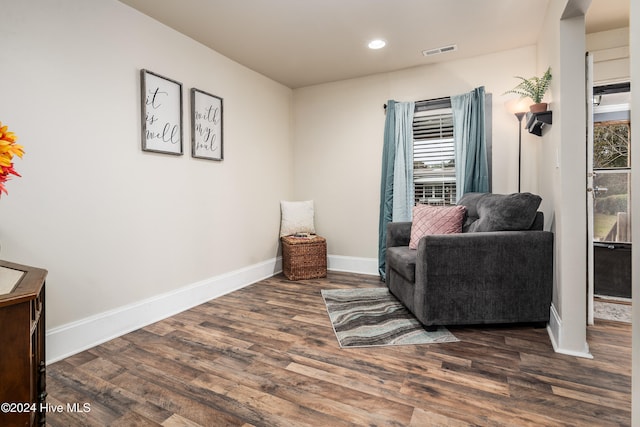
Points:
161	113
206	125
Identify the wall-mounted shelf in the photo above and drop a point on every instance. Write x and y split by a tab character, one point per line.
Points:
537	121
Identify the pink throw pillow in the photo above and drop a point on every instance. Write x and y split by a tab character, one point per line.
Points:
429	220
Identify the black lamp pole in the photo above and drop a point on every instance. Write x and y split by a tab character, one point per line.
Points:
519	116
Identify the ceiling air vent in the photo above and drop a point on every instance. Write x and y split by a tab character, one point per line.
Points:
439	50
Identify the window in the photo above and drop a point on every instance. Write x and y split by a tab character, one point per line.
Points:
434	174
612	178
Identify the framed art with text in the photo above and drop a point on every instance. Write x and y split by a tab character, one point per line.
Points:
206	125
161	113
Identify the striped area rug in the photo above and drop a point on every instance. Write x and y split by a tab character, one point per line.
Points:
366	317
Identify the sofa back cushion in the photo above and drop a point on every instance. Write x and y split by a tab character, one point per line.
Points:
435	220
500	212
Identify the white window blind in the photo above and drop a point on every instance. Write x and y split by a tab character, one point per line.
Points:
434	173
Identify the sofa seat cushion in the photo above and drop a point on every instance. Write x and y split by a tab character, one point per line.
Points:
403	260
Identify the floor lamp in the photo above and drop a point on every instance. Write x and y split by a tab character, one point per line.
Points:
519	115
519	107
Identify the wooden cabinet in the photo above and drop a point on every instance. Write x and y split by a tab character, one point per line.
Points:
22	345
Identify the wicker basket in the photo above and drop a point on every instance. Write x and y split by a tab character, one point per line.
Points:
304	258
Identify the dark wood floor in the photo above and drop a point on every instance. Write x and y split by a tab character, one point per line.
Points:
266	355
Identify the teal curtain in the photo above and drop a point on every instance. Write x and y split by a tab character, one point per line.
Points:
403	190
396	183
472	171
386	183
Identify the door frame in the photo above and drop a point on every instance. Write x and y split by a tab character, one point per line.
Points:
590	193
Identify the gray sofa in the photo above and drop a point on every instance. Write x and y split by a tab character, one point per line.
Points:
499	269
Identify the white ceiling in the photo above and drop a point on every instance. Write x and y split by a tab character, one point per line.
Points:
305	42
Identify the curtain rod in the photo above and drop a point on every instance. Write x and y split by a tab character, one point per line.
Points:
431	104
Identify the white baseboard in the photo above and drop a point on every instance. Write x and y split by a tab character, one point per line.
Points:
74	337
554	329
353	264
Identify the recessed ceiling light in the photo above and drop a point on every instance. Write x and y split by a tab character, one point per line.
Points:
377	44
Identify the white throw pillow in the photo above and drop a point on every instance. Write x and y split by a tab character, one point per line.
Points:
297	217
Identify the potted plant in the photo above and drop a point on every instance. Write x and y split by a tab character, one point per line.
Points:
534	88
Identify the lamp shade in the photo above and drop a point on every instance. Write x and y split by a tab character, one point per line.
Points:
518	105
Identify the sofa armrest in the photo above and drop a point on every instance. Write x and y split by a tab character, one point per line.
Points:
398	234
467	272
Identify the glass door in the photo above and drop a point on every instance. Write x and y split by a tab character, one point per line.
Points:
611	192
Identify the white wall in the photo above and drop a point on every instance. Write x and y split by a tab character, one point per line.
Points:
563	171
115	225
338	130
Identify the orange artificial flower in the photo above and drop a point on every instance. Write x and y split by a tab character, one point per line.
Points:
8	149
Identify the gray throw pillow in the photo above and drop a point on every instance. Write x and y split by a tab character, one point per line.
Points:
506	212
470	201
